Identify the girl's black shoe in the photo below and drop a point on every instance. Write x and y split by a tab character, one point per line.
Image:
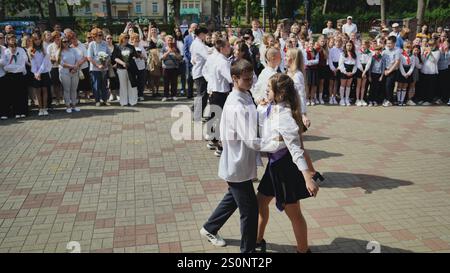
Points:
261	247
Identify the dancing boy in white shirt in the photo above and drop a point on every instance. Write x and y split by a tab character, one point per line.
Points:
238	132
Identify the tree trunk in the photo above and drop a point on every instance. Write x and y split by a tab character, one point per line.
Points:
165	11
228	8
247	11
52	11
108	13
176	11
277	12
324	10
70	10
2	10
383	11
420	14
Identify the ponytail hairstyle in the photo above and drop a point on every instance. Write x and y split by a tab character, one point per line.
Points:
284	91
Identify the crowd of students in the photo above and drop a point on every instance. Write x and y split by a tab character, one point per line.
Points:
259	86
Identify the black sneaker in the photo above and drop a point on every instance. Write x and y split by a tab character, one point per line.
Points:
261	247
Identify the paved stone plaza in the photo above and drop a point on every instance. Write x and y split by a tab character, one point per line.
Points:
113	179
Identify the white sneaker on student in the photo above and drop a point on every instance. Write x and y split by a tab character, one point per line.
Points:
316	101
448	103
76	109
4	118
141	98
45	112
370	104
410	103
312	103
358	103
426	103
308	103
17	116
41	113
215	240
342	102
363	103
347	102
330	101
175	98
164	99
335	101
68	110
111	98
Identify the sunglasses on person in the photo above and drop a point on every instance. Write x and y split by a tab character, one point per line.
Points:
65	41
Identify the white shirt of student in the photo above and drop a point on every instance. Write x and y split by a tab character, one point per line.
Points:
238	133
430	63
349	29
363	58
17	64
221	74
207	70
299	83
312	62
258	35
40	63
260	90
333	57
328	31
2	61
348	60
280	122
199	54
404	61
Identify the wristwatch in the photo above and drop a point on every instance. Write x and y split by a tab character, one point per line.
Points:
318	176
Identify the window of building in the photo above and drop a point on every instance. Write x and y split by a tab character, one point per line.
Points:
138	8
155	7
104	8
87	9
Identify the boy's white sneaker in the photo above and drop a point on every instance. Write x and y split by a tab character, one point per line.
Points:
215	240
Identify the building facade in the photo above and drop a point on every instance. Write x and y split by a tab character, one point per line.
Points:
204	9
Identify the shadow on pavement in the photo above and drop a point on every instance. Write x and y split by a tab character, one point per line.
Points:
338	245
369	183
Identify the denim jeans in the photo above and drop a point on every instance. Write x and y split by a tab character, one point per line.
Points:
98	80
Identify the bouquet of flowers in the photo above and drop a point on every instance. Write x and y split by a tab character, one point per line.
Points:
126	55
102	57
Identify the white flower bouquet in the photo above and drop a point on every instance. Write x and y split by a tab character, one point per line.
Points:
102	57
126	55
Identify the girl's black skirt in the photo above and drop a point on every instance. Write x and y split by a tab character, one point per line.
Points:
312	77
338	72
283	180
348	68
358	74
44	82
401	78
324	72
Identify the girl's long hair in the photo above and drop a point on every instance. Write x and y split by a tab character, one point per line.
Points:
284	91
352	52
296	56
32	50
